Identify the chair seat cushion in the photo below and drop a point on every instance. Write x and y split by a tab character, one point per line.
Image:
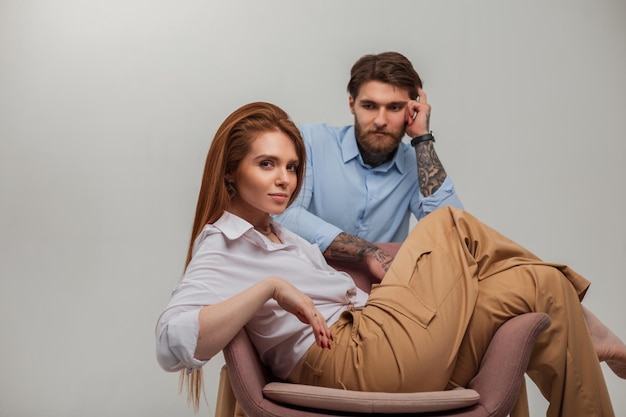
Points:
369	402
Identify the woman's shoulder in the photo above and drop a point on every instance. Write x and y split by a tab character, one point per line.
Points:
227	227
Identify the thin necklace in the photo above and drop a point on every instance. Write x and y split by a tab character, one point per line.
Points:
267	230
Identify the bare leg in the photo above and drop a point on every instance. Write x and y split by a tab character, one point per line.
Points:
609	347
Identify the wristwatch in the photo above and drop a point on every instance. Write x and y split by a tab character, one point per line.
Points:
422	138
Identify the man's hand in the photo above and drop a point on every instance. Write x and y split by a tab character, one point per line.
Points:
430	171
350	248
378	262
418	115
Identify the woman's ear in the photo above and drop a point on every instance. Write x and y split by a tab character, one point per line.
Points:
230	184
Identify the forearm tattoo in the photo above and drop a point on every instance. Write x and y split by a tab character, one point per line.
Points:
347	247
383	258
350	248
430	171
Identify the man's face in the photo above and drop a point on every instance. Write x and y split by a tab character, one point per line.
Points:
379	116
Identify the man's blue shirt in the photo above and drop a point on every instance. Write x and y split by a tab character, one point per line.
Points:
342	193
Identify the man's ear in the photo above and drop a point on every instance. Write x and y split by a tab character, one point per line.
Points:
351	103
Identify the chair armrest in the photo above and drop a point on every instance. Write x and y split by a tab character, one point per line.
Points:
505	361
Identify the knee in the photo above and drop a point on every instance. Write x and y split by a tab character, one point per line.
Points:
445	214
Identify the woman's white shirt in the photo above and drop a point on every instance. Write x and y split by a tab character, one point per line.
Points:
230	256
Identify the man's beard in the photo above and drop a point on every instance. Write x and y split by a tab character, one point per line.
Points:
377	146
376	151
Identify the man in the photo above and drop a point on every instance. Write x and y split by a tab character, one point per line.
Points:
363	183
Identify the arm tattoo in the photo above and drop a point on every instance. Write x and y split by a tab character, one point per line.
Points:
430	171
383	258
350	248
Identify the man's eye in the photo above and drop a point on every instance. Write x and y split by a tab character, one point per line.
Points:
367	106
395	108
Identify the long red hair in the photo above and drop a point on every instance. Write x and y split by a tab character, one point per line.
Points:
229	146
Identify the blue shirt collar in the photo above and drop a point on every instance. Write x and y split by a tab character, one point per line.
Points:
350	151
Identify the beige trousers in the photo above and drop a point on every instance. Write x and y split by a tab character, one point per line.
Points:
427	325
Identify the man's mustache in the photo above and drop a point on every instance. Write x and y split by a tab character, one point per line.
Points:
386	132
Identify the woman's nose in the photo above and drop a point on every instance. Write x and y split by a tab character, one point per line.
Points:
283	177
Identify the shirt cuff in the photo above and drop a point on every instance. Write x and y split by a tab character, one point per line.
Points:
444	196
181	338
325	236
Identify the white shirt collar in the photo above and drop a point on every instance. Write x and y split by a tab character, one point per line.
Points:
233	227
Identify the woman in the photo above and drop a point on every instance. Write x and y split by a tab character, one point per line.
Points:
423	328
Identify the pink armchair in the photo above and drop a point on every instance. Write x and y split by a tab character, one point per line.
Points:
248	388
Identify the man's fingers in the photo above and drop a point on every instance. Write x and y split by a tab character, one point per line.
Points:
421	96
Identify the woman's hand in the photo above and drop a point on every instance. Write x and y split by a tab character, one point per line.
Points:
300	305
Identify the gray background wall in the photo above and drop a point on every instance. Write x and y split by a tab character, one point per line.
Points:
107	110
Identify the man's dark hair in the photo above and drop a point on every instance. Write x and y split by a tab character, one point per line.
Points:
387	67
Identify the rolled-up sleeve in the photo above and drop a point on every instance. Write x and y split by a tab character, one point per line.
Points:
309	226
177	336
445	196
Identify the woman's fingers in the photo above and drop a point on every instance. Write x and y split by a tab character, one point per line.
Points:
322	333
299	304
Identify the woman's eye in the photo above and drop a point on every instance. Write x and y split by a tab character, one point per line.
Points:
293	167
265	164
